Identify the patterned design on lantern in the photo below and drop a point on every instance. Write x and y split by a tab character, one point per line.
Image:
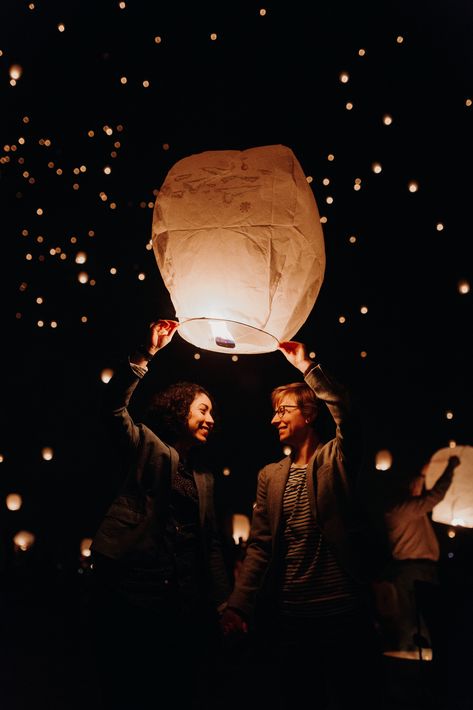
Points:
239	244
456	508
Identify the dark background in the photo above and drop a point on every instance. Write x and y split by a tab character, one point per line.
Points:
267	79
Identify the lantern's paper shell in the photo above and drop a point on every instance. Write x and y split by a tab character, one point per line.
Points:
456	508
239	244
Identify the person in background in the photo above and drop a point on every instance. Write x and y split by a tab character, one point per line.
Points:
414	554
158	573
303	587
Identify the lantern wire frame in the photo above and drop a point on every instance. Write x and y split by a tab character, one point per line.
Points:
227	336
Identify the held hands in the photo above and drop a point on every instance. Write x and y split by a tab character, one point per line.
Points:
296	354
232	624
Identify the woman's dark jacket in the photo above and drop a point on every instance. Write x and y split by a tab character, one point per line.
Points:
136	526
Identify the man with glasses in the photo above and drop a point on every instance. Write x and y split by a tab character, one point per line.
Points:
302	590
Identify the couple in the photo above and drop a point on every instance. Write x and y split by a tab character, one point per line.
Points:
163	608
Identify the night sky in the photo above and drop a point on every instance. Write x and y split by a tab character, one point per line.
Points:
107	97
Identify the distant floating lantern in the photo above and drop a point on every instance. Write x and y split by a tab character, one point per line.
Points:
16	70
23	540
47	453
241	527
106	375
383	460
85	544
456	508
239	244
14	501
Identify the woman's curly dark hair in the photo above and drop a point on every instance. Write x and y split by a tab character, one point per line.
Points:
168	409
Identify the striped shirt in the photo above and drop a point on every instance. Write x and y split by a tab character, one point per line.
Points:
313	582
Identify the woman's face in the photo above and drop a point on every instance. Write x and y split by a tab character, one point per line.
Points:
199	420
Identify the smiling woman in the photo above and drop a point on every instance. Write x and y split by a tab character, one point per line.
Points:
158	567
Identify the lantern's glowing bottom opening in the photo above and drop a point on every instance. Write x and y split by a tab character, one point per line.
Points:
227	336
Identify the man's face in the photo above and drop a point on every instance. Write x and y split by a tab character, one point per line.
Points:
289	421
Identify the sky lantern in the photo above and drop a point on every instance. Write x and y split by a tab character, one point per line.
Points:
239	245
383	460
23	540
47	453
456	508
240	527
14	501
85	544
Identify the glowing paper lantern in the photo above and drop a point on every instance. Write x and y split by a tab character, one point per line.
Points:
23	540
456	508
383	460
239	244
241	527
14	501
106	375
47	453
85	544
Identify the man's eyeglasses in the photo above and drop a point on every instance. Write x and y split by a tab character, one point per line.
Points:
281	410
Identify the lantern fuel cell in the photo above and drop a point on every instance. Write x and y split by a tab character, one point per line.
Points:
239	245
224	342
221	334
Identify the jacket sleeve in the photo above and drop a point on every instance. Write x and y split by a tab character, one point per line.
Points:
134	515
115	412
349	437
331	392
257	556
